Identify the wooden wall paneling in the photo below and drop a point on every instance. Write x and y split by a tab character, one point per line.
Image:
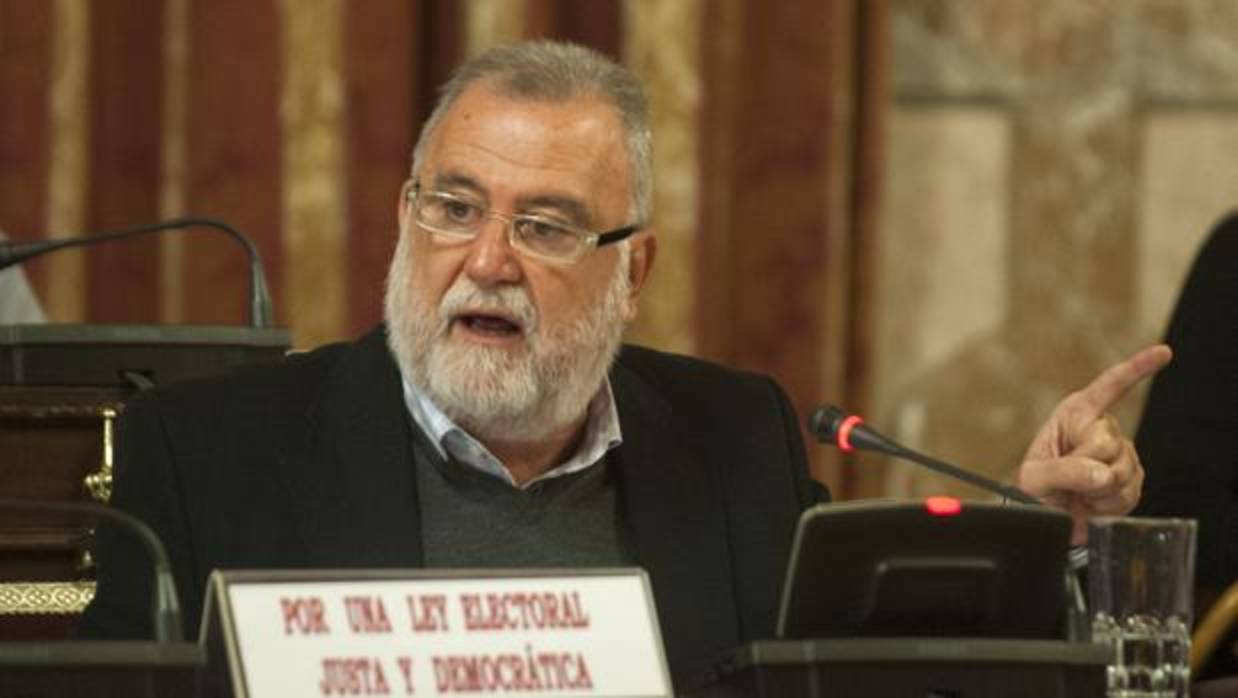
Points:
173	164
871	80
378	73
662	44
233	154
721	54
439	30
766	174
25	75
597	24
68	167
396	56
870	75
313	189
492	23
126	104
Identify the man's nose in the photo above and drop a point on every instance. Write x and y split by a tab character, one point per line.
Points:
492	260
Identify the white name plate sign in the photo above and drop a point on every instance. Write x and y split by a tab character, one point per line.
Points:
289	634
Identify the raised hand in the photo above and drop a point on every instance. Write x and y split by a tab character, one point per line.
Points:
1080	461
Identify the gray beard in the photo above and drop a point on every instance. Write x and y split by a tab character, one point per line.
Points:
491	392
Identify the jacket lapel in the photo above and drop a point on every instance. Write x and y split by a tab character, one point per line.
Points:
673	508
359	500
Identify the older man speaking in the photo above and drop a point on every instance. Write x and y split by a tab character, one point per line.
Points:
497	419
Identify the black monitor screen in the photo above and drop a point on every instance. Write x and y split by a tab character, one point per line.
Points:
931	569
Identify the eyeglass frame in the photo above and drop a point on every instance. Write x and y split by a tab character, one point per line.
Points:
592	240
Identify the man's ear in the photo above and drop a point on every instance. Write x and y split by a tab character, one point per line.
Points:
644	248
401	205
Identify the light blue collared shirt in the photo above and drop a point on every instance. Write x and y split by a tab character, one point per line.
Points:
601	435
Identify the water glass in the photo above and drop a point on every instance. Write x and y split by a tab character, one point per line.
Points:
1140	575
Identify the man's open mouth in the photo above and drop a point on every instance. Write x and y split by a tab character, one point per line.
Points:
489	324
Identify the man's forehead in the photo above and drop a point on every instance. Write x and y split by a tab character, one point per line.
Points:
586	124
564	153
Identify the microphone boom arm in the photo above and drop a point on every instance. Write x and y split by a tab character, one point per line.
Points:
260	314
984	483
832	425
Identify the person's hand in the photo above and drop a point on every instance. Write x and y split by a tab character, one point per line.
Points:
1080	462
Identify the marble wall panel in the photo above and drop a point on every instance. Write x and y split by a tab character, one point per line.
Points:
1187	49
1120	113
942	267
1187	185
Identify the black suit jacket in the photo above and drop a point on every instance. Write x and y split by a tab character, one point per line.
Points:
1188	437
309	464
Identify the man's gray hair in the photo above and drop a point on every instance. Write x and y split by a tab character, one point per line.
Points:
554	71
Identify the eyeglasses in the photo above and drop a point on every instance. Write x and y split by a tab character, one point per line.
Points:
461	218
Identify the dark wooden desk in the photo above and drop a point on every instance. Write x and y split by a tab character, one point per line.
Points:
897	667
54	445
100	669
61	389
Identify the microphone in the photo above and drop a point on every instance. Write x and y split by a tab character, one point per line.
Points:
831	424
165	604
260	314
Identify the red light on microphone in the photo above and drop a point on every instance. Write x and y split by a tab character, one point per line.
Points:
943	506
844	433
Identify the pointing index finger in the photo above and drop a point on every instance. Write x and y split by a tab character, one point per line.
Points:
1113	383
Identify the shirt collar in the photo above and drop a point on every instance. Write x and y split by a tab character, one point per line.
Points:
602	433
